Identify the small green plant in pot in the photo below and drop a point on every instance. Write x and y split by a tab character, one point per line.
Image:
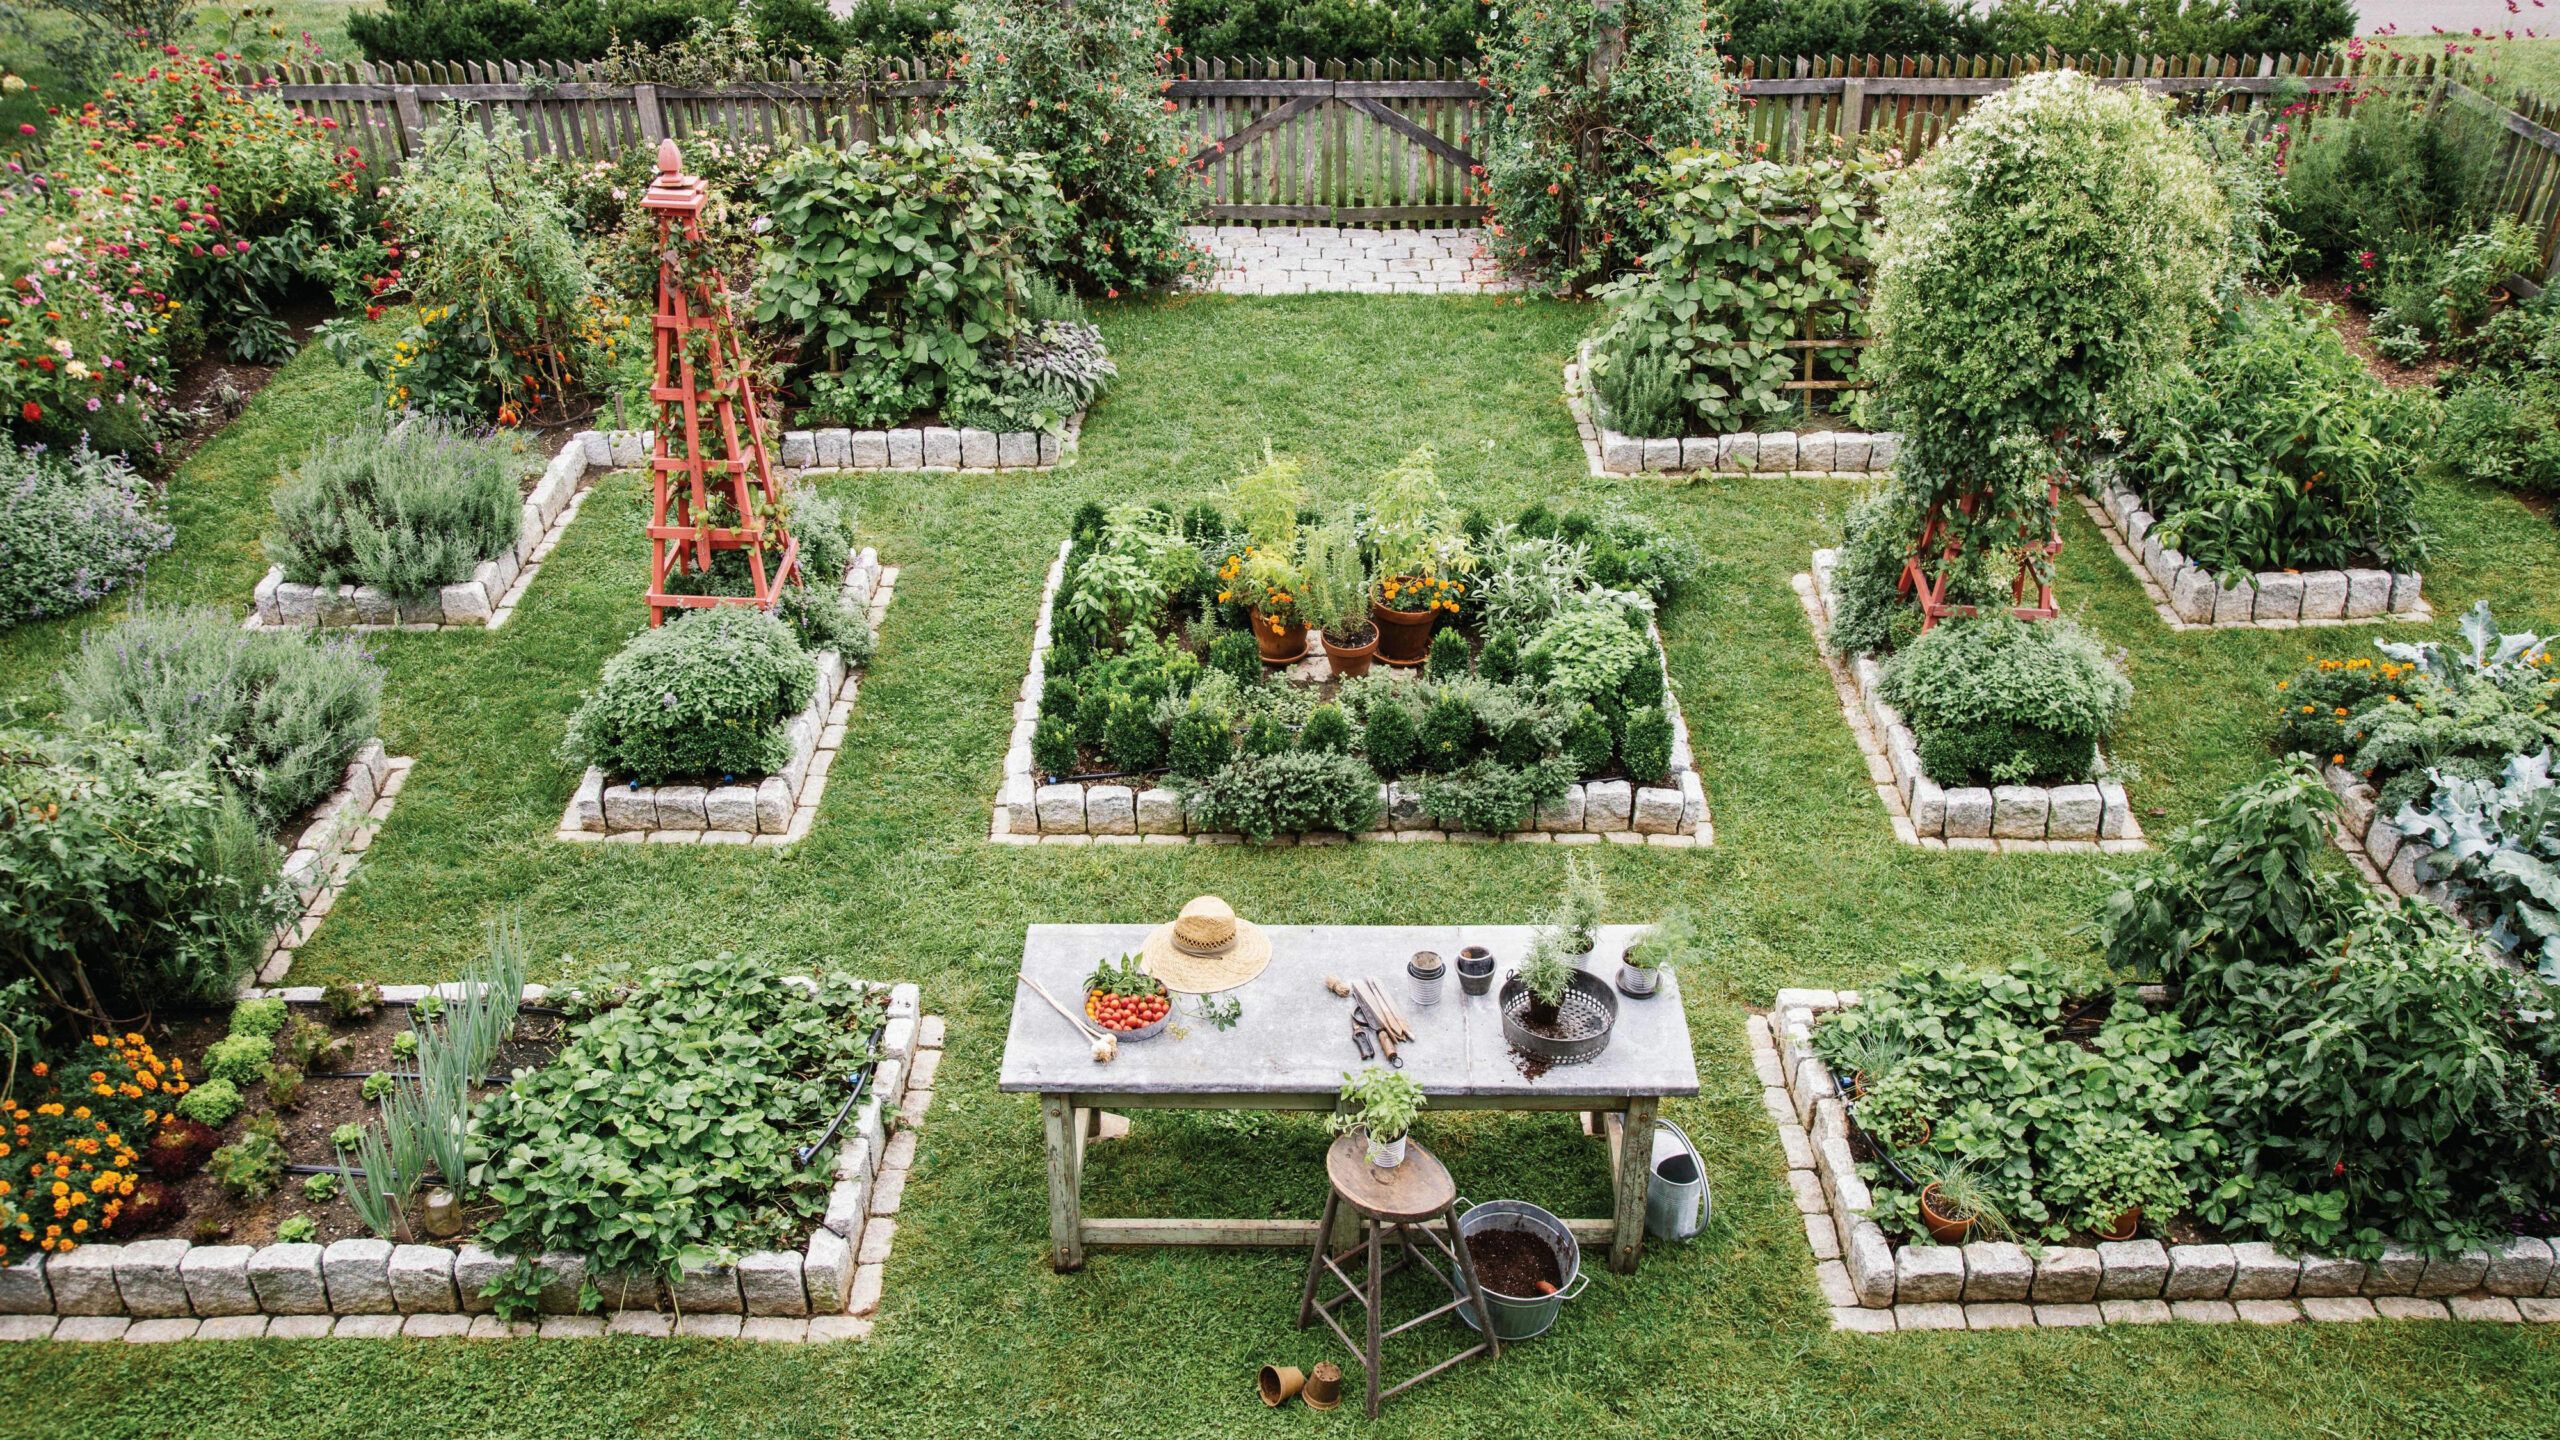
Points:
1954	1202
1545	974
1381	1105
1678	937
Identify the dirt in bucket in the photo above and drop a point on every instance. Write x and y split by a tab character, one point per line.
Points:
1514	1263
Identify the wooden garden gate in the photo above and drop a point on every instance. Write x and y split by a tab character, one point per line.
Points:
1338	149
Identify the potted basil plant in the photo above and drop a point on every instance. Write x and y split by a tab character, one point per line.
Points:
1379	1104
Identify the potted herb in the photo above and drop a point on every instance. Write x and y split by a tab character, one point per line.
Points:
1545	974
1640	968
1576	916
1333	594
1954	1203
1859	1055
2115	1173
1264	576
1420	553
1380	1104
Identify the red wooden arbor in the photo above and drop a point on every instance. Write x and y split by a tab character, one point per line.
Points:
1931	590
704	503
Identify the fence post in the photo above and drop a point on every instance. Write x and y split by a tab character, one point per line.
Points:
653	125
1853	108
413	116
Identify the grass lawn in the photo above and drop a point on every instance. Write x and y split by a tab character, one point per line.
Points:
1726	1336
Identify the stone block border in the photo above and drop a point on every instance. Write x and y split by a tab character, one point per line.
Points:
1782	452
2189	597
321	857
488	599
777	810
1874	1287
153	1290
2009	818
2385	857
929	447
1030	813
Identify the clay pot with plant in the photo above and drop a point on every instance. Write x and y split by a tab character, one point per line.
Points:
1420	555
1380	1105
1264	576
1333	594
1955	1204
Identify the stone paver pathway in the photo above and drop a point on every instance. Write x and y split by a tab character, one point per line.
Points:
1306	259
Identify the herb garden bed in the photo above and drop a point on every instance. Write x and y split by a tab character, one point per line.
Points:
2084	817
1782	452
1035	808
237	1282
1876	1286
488	599
2188	597
931	448
774	810
324	846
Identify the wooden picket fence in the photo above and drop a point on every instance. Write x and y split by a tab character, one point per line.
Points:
1375	143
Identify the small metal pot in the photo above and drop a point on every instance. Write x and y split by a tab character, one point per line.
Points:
1475	970
1424	975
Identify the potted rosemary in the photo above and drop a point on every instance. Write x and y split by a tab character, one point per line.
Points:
1380	1105
1333	595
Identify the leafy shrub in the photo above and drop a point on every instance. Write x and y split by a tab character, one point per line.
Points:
2150	27
1448	657
405	510
899	260
664	1130
2039	270
210	1104
1639	382
1855	27
277	713
2498	850
2277	450
501	285
1570	161
1489	796
1052	372
1750	250
1999	701
712	694
73	529
1200	742
1393	737
2391	176
1260	796
1327	729
2503	432
1081	87
1327	29
1588	650
1647	746
519	29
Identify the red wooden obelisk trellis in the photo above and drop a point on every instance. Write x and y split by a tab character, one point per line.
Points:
705	503
1930	589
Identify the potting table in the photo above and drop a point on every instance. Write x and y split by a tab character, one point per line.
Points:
1294	1043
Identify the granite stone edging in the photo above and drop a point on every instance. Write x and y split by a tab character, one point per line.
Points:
2387	857
2091	816
2189	597
773	810
488	599
1780	452
1874	1286
930	448
168	1289
1028	812
322	854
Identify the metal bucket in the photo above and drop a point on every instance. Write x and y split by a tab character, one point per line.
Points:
1676	1199
1518	1317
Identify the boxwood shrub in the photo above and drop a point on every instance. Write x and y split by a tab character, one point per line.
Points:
1999	701
707	696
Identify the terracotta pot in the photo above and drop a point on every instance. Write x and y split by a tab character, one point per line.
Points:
2128	1225
1282	644
1349	660
1404	636
1943	1228
1324	1386
1278	1382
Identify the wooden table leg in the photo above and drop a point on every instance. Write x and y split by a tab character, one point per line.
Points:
1058	1121
1635	1173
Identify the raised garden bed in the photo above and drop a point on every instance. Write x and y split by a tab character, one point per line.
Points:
2189	597
322	848
488	599
2090	816
770	810
235	1280
1780	452
2386	856
1035	808
930	447
1876	1286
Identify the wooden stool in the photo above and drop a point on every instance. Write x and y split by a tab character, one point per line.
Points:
1414	1196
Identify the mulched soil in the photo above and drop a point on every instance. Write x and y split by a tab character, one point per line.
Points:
2355	326
325	1103
1514	1263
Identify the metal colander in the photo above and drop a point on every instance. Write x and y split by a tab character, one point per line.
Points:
1584	1018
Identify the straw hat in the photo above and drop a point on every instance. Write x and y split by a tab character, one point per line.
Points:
1206	950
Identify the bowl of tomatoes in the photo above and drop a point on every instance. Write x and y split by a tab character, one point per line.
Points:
1125	1000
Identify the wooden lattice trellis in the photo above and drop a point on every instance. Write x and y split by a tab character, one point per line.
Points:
1938	537
704	504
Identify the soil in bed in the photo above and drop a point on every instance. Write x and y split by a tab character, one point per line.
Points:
2355	327
1514	1263
332	1095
